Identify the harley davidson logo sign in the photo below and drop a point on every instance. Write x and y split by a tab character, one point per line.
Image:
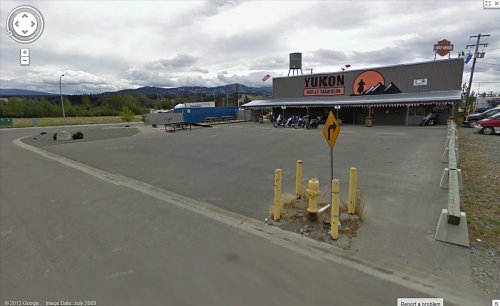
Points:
443	47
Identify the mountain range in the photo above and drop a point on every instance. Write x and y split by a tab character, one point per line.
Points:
153	91
191	90
22	92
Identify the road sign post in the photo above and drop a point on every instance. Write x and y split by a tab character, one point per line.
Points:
331	131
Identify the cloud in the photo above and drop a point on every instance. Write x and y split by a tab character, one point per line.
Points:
322	57
213	7
108	45
200	70
178	61
265	63
46	78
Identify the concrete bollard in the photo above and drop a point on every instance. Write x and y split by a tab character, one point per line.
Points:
351	208
277	195
298	180
334	220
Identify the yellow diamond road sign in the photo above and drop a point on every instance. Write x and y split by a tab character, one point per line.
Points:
331	130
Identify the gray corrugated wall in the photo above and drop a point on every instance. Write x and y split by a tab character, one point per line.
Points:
440	74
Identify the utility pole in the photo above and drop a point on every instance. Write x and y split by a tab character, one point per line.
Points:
476	45
60	92
238	94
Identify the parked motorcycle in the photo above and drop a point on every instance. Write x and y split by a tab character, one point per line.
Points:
312	124
290	122
278	121
430	119
300	122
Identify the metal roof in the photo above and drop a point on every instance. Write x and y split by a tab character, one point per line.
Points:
387	99
369	68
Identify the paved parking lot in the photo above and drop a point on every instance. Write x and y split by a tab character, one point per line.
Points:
69	236
232	166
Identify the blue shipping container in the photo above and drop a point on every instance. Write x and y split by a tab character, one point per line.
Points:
199	114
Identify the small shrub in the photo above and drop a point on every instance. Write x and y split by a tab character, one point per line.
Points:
77	135
126	114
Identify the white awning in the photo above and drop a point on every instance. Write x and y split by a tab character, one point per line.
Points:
402	99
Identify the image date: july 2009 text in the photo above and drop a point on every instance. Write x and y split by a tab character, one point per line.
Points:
71	303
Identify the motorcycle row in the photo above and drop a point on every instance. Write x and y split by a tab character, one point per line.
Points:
296	122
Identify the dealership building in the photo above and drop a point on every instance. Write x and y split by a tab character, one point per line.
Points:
399	94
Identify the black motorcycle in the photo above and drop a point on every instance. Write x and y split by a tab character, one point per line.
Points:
312	124
430	119
301	122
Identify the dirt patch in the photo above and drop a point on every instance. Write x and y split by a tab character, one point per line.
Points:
295	218
44	138
479	159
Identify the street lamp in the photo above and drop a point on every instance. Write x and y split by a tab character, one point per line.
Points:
60	91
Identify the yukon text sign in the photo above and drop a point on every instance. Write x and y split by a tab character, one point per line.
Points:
324	85
331	130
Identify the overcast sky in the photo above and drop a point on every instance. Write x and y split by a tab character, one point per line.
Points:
110	45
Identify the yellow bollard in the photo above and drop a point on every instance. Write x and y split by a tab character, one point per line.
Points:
298	180
351	208
313	194
334	223
277	195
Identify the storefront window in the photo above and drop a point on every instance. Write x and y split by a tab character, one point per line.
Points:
417	111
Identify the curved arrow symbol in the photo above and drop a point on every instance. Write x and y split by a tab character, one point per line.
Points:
332	126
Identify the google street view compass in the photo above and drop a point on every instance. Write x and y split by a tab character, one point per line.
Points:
24	24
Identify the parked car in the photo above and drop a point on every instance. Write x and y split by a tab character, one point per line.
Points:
471	120
489	125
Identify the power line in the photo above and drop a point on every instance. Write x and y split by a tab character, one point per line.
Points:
488	63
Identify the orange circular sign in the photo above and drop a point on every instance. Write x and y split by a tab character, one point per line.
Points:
365	80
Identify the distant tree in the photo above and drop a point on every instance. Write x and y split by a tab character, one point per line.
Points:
180	99
126	114
86	102
246	99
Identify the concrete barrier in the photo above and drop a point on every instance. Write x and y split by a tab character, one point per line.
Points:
452	224
452	159
445	179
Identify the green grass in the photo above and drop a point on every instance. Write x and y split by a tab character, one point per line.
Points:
27	122
481	173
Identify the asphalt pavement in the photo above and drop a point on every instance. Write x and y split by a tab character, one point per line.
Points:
232	167
68	235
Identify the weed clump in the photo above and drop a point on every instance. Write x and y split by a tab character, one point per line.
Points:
77	135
